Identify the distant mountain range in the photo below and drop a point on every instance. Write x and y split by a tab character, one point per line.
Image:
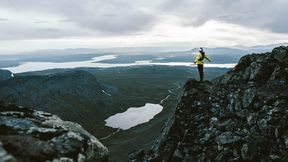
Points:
132	54
144	50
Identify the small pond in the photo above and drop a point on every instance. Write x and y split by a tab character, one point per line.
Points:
134	116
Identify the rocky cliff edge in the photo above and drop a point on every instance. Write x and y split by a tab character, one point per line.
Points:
27	135
241	116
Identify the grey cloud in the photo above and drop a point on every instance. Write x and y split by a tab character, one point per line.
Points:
122	17
3	19
114	20
120	24
25	33
265	14
40	21
106	16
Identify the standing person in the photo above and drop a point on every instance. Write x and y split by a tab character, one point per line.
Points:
199	61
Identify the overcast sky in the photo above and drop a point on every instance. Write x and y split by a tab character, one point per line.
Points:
58	24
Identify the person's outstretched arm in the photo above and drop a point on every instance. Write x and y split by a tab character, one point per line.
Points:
207	58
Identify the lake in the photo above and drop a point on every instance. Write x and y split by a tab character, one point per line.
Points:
134	116
95	62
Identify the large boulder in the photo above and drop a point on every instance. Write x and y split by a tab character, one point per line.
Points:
27	135
280	54
259	68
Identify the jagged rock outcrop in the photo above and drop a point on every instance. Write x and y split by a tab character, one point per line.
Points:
241	116
27	135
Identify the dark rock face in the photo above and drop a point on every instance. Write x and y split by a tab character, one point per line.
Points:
242	116
27	135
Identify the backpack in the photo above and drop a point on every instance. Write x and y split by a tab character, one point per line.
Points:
203	56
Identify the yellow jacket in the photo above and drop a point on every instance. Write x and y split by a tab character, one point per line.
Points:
198	60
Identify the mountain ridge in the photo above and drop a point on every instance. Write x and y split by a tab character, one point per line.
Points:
241	116
74	95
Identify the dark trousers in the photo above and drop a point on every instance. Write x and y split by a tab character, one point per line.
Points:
201	73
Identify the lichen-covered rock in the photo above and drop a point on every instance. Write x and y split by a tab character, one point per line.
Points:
228	138
242	116
27	135
280	54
